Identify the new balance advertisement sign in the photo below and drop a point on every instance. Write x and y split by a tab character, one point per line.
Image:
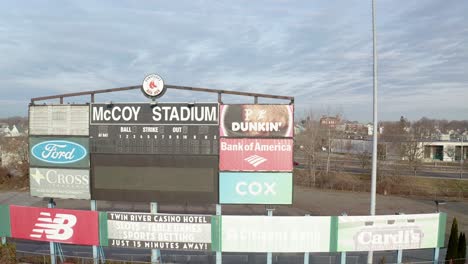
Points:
256	154
55	225
59	183
257	120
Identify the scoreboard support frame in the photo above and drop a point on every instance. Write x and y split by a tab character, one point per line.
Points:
92	93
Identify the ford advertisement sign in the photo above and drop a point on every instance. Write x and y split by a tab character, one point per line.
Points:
53	152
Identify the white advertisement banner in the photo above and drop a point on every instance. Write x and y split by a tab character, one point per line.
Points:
387	232
63	120
59	183
159	231
275	234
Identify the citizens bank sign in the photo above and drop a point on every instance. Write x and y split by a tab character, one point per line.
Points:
70	152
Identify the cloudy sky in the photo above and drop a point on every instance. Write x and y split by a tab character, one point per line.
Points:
320	52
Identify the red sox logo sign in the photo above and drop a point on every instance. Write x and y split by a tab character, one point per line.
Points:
153	86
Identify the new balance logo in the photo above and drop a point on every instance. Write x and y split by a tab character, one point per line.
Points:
59	227
255	160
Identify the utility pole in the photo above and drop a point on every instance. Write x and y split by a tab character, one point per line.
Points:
329	150
375	128
461	157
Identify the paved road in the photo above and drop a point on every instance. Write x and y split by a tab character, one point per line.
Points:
354	166
419	173
312	201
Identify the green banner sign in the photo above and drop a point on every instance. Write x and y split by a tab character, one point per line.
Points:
5	230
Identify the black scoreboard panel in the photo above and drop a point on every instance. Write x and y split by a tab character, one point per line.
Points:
162	178
154	139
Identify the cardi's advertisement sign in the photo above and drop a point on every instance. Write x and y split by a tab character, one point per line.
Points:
249	154
159	231
256	120
55	225
390	232
59	152
255	188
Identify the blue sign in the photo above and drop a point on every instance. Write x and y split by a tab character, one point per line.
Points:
255	188
63	153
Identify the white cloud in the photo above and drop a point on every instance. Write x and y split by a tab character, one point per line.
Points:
318	51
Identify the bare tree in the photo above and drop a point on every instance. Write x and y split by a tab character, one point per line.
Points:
16	148
364	158
309	143
412	151
451	152
329	134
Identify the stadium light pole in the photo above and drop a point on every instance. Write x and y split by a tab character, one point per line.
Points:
375	127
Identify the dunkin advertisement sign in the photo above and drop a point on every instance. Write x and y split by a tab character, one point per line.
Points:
256	120
248	154
55	225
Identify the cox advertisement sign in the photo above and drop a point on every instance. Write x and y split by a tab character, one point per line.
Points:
256	120
255	154
255	188
55	225
59	183
57	152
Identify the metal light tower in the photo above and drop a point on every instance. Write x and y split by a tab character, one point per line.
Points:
375	128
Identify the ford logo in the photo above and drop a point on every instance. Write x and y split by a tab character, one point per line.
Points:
58	151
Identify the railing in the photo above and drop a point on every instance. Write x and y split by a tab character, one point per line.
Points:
387	257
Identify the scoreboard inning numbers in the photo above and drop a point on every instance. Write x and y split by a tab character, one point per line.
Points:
165	139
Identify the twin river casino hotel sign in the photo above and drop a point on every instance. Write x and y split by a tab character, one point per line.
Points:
159	231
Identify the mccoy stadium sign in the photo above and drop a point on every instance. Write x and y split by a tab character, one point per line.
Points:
177	113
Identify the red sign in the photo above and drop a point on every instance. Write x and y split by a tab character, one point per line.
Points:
255	154
55	225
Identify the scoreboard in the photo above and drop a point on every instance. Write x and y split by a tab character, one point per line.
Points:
166	152
154	129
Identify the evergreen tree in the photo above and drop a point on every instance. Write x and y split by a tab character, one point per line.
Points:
461	251
453	242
